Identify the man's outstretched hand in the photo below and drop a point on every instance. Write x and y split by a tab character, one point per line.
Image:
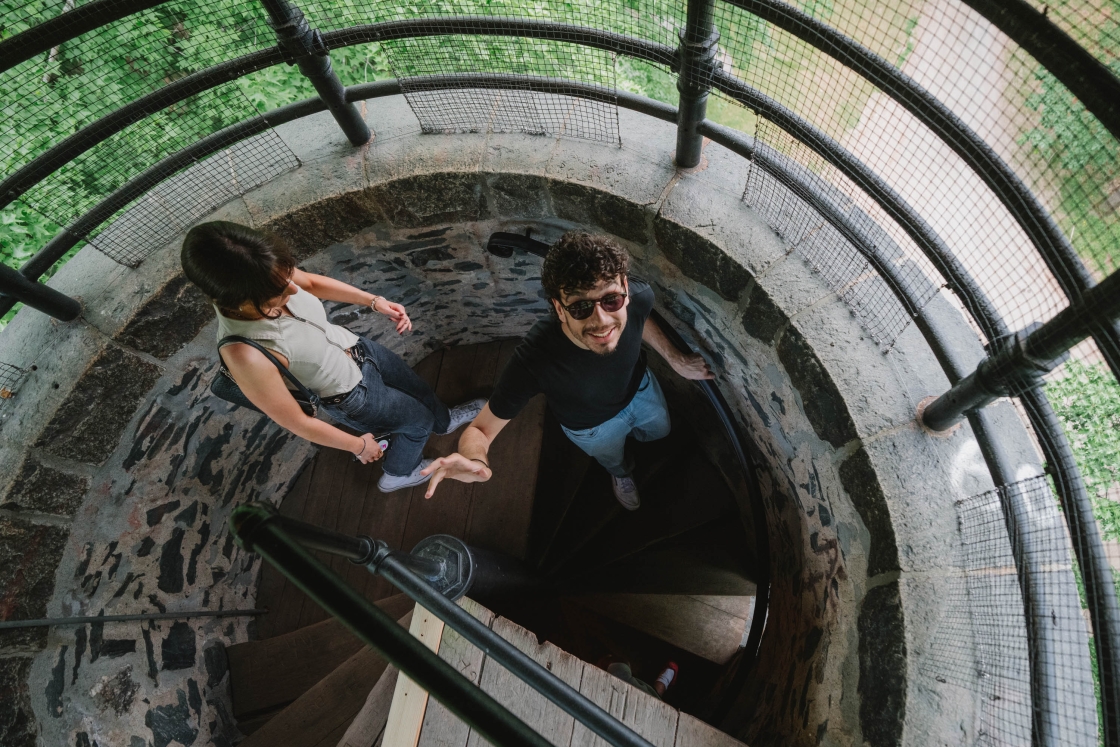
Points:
692	366
456	467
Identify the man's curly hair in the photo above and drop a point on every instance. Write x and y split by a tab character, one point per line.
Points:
579	260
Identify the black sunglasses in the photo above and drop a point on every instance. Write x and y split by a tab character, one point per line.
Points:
611	302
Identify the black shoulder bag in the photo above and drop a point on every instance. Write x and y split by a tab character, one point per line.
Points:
224	387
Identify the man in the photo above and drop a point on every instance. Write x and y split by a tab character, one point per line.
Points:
588	362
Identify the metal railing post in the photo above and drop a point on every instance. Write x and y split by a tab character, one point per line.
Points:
1016	362
304	47
38	296
698	60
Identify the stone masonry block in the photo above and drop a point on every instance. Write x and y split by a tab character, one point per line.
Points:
397	158
762	319
44	489
17	720
866	379
518	196
431	199
722	218
169	320
860	481
700	259
29	554
882	667
820	399
312	228
594	207
88	425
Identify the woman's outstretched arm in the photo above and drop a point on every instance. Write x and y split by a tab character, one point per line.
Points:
330	289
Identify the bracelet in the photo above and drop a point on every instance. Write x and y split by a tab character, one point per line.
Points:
363	451
484	464
373	303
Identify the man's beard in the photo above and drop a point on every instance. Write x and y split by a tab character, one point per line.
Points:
597	348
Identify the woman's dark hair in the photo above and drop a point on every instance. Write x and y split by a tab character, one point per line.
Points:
233	264
579	260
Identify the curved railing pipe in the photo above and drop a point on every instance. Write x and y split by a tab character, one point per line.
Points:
1084	75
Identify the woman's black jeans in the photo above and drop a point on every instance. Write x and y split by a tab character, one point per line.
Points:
391	398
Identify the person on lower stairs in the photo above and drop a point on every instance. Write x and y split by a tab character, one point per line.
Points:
621	670
589	363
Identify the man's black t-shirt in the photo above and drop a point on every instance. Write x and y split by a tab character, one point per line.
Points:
583	388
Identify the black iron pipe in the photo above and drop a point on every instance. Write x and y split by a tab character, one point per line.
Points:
697	53
253	528
305	48
505	653
1017	362
19	289
66	26
54	622
508	26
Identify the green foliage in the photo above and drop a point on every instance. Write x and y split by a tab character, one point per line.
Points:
1072	143
1087	401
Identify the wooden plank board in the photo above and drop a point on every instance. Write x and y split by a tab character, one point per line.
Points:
502	508
268	674
683	621
406	715
319	717
643	713
369	725
441	727
692	732
270	593
523	701
446	512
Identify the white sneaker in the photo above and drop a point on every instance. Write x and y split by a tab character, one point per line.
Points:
626	492
388	483
464	413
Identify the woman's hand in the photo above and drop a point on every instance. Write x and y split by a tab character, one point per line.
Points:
370	451
456	467
395	312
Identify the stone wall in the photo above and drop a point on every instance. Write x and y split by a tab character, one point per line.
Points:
120	470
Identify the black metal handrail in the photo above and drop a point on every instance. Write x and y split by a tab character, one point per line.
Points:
258	528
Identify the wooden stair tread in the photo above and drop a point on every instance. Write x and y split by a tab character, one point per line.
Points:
655	720
675	500
269	674
321	715
711	627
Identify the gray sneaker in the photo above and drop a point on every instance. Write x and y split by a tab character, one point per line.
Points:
388	483
464	413
626	492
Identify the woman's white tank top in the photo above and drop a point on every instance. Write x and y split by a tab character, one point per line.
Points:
315	348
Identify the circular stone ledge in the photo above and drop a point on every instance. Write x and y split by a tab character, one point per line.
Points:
859	500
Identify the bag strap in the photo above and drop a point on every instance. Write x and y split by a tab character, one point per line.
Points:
307	393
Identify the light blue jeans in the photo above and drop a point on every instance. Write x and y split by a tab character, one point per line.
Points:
646	418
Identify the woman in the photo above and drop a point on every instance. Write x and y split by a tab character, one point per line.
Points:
259	293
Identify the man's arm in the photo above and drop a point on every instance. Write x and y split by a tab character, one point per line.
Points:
470	463
688	365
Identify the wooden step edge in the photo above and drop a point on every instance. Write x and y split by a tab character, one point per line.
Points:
328	707
269	674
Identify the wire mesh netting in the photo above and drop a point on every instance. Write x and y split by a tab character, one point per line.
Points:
982	641
10	378
842	264
100	71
